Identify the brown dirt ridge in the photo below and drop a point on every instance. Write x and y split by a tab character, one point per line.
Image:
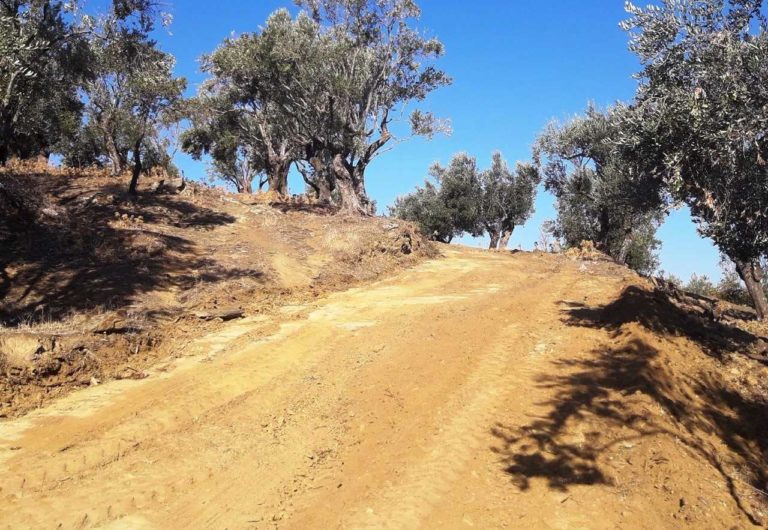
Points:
309	371
96	285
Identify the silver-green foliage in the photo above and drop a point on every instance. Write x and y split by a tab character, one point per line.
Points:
602	195
324	88
506	198
43	58
702	113
701	118
133	92
463	199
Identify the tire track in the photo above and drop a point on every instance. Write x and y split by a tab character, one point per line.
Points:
503	369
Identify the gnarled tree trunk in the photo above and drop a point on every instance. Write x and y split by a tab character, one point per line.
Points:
277	176
137	168
323	182
324	190
116	161
506	235
243	184
494	239
605	229
7	120
626	244
351	202
358	179
278	162
752	274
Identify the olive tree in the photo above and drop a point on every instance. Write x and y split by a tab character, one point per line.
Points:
133	91
245	106
216	132
447	206
323	90
701	119
601	195
425	207
378	64
506	199
463	199
460	192
43	59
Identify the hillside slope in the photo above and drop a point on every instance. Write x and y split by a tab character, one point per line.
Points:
478	390
96	285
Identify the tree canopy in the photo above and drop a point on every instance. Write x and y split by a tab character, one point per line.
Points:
601	196
701	116
506	199
133	87
464	199
321	90
44	57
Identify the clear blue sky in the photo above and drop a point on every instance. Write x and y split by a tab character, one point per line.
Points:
516	65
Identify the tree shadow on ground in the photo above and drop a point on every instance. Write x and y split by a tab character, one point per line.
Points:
83	246
316	209
612	397
655	311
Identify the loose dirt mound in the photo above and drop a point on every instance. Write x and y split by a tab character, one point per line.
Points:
586	251
95	285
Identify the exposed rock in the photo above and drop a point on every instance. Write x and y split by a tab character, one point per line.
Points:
51	212
174	185
156	186
224	314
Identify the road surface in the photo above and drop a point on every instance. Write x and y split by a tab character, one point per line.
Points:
378	407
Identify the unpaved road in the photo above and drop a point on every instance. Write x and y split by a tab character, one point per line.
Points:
373	408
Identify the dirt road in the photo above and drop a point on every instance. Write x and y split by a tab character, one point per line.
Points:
389	406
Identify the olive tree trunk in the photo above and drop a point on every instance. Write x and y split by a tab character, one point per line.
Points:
752	274
6	133
626	244
115	160
243	184
506	235
350	202
352	193
495	235
358	180
277	177
318	180
278	163
324	191
137	168
605	228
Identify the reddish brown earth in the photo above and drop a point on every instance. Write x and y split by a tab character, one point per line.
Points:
95	285
472	390
477	390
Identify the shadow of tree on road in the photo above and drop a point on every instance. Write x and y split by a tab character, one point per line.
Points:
630	391
655	312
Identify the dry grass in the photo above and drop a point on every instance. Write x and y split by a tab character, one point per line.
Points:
337	238
755	327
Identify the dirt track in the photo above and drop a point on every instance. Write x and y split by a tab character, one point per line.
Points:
389	406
